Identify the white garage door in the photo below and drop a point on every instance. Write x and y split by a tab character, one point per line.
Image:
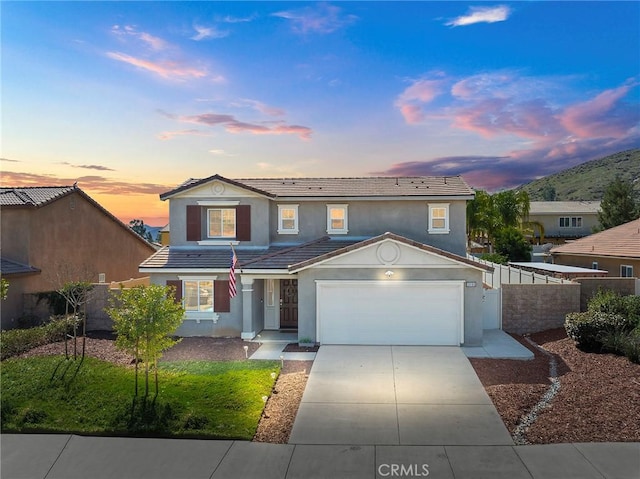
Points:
390	312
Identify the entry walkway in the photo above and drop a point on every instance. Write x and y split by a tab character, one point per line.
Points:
39	456
390	395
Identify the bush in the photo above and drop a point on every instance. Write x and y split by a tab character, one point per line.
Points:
494	258
18	341
607	301
590	328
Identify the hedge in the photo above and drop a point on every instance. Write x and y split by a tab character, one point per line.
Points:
18	341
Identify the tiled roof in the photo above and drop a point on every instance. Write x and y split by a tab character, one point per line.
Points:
8	267
622	241
561	207
377	239
273	257
33	195
292	258
343	187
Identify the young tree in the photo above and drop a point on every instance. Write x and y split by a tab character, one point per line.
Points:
618	205
139	227
144	317
76	294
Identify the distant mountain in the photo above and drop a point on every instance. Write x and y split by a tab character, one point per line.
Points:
587	182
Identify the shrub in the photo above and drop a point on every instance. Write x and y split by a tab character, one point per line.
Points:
590	328
18	341
611	302
494	258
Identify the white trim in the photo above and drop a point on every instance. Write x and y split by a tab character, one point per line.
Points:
218	242
197	278
283	231
226	239
440	231
217	203
269	273
338	231
324	199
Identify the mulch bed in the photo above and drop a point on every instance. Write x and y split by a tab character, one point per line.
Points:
599	397
210	349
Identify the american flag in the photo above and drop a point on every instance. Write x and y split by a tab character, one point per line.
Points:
232	275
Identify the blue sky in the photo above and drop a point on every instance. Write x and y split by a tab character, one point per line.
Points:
130	98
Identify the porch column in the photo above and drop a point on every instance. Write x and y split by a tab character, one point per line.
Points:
247	307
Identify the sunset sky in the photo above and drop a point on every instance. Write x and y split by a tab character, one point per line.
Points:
130	99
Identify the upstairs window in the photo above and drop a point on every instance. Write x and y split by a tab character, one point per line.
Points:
571	222
337	220
439	218
222	222
288	219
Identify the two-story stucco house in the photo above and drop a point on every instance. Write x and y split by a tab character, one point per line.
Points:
340	260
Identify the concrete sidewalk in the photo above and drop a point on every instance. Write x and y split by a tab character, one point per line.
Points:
40	456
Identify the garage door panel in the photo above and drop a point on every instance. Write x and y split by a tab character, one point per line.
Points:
371	312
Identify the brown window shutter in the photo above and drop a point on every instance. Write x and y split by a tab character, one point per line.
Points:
221	299
194	223
177	285
243	222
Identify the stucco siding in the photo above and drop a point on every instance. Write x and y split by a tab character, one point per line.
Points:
227	325
611	265
259	219
371	218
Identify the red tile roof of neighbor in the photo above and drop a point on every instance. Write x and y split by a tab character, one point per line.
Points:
342	187
621	241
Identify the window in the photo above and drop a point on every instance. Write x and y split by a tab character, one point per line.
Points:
439	218
222	222
626	271
288	219
198	295
594	265
337	221
571	222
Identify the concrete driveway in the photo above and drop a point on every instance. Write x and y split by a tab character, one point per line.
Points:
409	395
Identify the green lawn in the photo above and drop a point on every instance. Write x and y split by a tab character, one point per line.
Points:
196	399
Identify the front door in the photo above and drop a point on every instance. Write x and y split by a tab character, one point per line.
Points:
289	303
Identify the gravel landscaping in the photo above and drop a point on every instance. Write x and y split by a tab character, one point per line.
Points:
598	399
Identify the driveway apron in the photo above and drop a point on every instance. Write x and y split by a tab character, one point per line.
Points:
409	395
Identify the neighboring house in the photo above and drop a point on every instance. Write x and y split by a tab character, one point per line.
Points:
616	250
340	260
57	234
564	220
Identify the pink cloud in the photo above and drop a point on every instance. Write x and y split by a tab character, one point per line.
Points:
233	125
171	70
153	42
490	117
170	135
415	96
605	115
324	18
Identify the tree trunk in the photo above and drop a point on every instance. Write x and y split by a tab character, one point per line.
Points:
155	366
